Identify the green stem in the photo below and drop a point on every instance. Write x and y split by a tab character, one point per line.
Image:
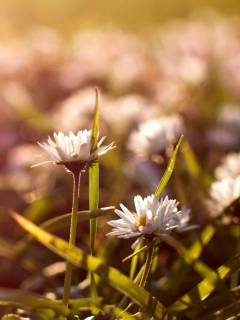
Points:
72	239
235	277
143	273
147	266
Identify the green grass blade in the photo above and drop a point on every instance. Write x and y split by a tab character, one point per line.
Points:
134	263
110	275
38	209
95	127
32	301
169	170
193	166
94	176
58	223
207	286
93	201
230	312
215	304
190	258
118	312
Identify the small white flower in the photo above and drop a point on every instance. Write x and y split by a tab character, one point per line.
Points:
73	148
154	136
152	217
230	167
183	219
223	193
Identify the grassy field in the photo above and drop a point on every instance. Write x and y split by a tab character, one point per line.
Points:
173	87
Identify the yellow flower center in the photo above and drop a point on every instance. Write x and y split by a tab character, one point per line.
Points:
141	221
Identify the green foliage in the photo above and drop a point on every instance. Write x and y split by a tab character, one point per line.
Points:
195	274
93	201
169	170
110	275
206	287
31	301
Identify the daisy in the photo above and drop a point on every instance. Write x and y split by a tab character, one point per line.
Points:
230	167
66	150
222	194
183	219
152	218
155	135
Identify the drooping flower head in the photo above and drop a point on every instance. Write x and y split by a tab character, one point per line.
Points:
73	149
153	218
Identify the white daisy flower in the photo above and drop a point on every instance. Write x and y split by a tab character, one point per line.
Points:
73	148
153	136
223	193
152	218
230	167
183	219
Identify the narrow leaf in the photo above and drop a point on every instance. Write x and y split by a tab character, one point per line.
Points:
112	276
230	312
215	304
133	265
33	302
190	258
93	201
57	223
169	170
207	286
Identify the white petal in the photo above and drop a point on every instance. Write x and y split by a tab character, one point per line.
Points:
137	242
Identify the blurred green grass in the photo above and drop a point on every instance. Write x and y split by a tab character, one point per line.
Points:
67	16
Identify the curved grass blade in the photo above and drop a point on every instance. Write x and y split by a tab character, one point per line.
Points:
118	313
169	170
32	301
230	312
93	202
57	223
207	286
214	304
190	258
112	276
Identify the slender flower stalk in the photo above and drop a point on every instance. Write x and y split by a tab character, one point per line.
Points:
72	239
147	267
74	152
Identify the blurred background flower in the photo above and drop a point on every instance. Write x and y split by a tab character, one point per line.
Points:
163	69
